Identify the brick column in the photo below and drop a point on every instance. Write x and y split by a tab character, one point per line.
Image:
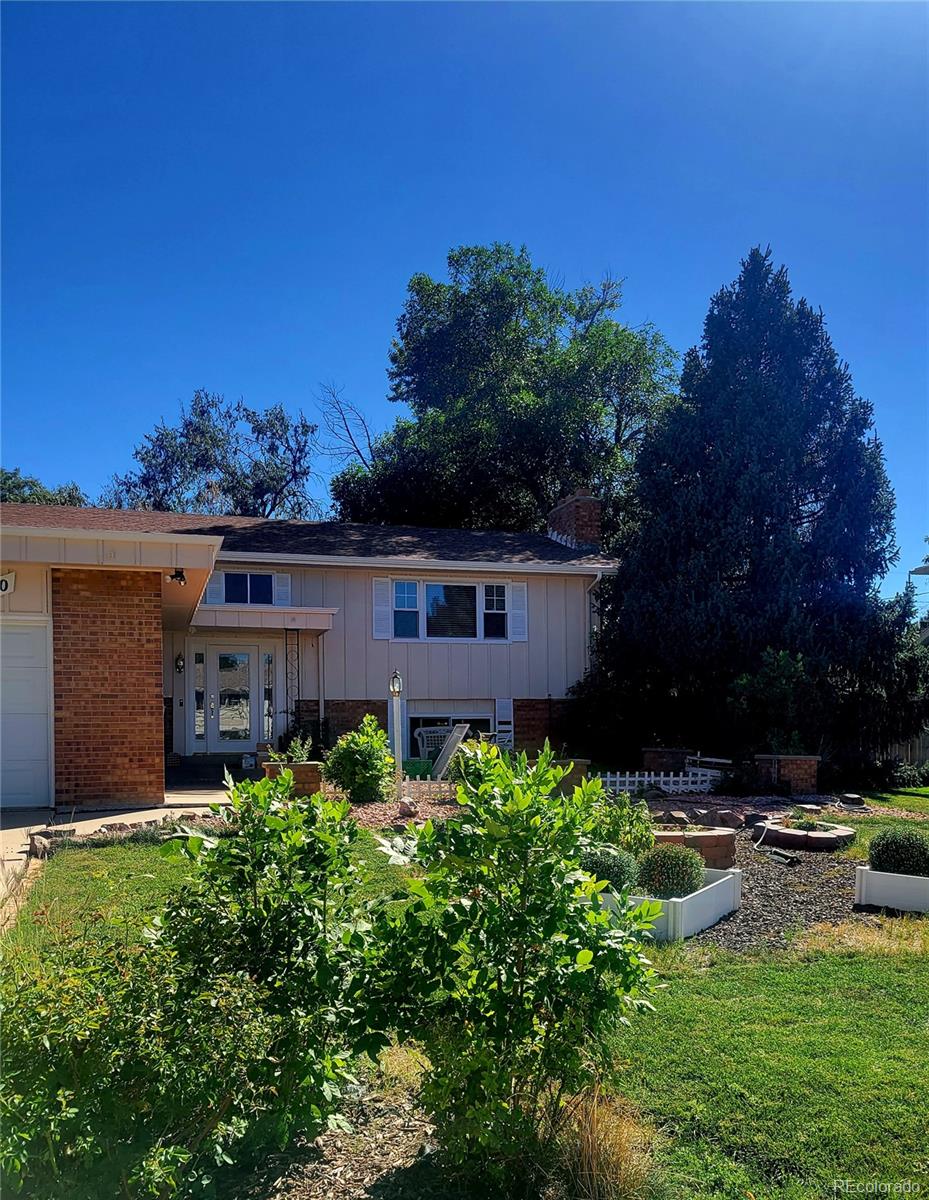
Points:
109	717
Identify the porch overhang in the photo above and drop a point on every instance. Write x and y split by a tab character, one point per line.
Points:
189	556
262	617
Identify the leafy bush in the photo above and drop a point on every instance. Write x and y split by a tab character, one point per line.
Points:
417	768
504	964
465	765
360	764
910	775
299	750
900	851
624	822
142	1072
617	867
670	871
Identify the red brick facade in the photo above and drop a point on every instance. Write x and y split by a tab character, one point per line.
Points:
109	716
536	720
345	715
659	758
576	520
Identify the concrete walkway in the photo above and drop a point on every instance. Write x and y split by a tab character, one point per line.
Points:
16	823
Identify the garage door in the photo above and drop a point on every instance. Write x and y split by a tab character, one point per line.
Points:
24	716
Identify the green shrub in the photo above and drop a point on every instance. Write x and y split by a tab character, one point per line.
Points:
900	851
910	775
142	1072
617	867
360	764
465	765
624	822
299	750
417	768
505	966
670	871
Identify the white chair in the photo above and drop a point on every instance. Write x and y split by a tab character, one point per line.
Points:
431	738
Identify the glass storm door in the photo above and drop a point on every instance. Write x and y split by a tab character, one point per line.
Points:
232	701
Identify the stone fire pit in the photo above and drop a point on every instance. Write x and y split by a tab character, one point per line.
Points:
826	836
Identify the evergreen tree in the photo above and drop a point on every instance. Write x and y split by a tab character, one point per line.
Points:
765	519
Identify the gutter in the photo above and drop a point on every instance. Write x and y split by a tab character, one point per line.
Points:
421	564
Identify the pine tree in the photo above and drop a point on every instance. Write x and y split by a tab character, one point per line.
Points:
765	519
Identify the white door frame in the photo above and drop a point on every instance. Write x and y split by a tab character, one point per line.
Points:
210	647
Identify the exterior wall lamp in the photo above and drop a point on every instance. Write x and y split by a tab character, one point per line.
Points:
177	576
179	664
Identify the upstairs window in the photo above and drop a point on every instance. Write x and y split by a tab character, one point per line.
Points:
495	610
406	609
451	610
242	588
248	587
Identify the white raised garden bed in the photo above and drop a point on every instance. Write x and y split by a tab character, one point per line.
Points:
886	889
720	895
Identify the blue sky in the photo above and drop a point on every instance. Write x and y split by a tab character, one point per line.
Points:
233	196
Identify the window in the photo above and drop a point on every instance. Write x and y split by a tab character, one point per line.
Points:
406	609
494	610
241	588
476	726
451	610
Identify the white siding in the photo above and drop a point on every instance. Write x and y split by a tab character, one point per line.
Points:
357	665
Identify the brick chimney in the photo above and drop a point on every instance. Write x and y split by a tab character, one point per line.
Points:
575	521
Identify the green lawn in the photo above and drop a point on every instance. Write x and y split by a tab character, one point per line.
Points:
771	1077
766	1077
915	800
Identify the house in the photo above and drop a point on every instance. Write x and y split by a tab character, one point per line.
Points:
131	636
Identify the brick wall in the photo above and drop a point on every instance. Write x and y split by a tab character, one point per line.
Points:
536	720
345	715
109	716
799	772
657	758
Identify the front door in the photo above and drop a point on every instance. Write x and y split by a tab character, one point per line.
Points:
232	702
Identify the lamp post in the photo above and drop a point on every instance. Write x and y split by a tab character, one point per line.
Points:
395	687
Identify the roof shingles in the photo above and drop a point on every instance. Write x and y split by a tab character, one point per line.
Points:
257	535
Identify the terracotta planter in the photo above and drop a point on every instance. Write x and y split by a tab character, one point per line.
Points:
308	776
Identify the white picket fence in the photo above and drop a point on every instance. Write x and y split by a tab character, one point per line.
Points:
694	781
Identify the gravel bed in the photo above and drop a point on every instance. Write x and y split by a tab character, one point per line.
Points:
387	816
778	899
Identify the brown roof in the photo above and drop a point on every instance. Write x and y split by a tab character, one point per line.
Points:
256	535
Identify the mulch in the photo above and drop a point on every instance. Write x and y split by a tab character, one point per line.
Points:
387	816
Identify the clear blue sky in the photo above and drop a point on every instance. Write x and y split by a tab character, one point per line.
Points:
233	196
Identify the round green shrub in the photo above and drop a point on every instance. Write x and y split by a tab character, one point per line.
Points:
900	851
668	871
616	866
360	764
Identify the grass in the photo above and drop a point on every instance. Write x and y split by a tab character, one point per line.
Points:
914	800
867	827
766	1077
772	1077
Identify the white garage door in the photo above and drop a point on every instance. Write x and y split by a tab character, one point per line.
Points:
24	715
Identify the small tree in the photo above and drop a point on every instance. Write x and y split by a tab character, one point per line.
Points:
504	964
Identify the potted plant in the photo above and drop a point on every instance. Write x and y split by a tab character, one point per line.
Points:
297	758
897	874
693	897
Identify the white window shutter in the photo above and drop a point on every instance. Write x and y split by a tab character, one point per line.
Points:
281	590
383	615
519	614
215	589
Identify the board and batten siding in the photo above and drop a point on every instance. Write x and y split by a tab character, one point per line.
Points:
357	665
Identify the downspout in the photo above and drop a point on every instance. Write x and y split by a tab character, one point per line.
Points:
320	674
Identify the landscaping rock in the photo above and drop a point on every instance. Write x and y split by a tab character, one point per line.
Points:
38	846
116	827
679	818
407	808
731	820
753	818
852	799
60	831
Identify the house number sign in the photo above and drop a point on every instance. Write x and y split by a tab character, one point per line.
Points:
8	584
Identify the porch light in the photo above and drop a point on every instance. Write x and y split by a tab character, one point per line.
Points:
179	664
178	576
395	684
